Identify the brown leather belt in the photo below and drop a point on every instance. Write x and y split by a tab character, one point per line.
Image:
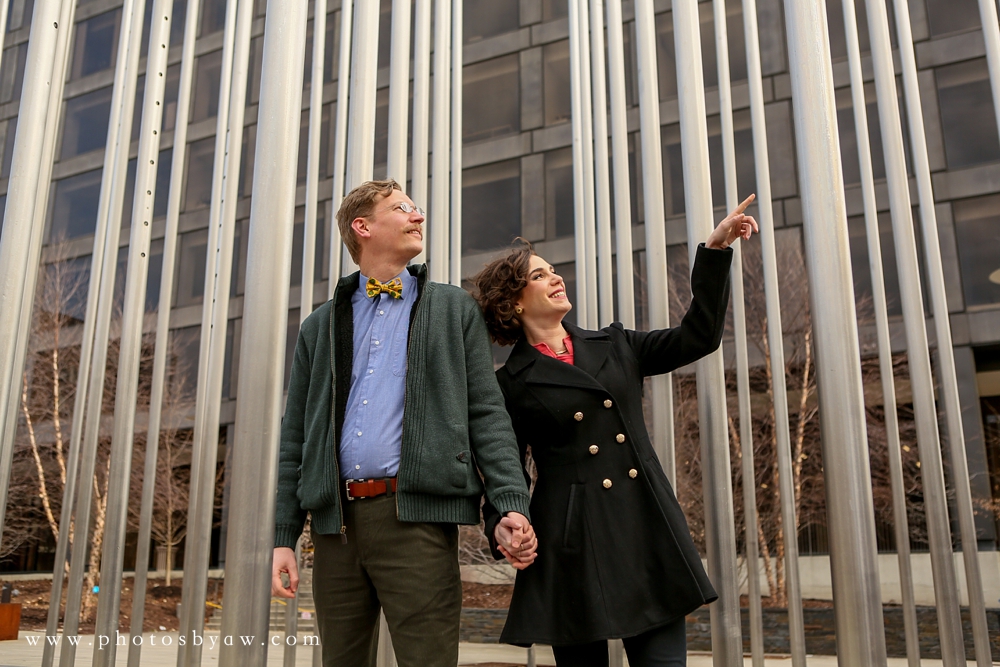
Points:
369	488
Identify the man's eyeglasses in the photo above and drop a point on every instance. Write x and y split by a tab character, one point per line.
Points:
409	208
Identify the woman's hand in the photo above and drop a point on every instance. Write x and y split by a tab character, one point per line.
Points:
516	540
735	226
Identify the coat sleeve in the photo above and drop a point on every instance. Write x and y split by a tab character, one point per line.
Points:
490	434
289	516
491	517
700	332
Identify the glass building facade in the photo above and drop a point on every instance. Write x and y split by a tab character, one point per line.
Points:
518	178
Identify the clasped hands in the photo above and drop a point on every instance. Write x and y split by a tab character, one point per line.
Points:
516	540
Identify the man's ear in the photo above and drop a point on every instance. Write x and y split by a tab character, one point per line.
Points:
360	227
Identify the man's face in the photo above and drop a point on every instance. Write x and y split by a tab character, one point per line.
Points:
392	230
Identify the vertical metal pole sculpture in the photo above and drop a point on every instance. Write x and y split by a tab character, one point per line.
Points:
399	90
338	254
421	108
577	104
720	529
312	162
602	176
942	328
619	156
455	234
656	237
258	416
991	35
163	326
860	631
127	385
439	224
587	125
900	519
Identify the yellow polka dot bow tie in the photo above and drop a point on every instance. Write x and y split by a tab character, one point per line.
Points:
393	288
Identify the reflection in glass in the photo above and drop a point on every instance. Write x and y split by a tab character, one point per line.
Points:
96	44
977	228
555	73
213	17
968	120
74	207
85	125
198	175
208	73
491	206
192	253
491	104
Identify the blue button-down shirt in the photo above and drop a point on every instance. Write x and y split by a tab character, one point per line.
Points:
373	422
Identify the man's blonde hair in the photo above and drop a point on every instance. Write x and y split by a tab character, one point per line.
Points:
359	203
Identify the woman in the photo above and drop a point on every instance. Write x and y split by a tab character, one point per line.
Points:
614	557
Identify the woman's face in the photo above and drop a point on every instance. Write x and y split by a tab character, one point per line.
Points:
544	297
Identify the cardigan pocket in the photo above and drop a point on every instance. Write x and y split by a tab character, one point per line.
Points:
572	530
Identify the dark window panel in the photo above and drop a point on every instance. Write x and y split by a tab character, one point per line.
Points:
67	281
3	210
331	56
947	16
491	206
12	72
666	64
184	350
253	76
555	64
554	9
384	33
8	129
491	100
198	175
208	74
238	280
213	17
487	18
96	44
977	228
155	276
247	161
835	20
737	45
968	120
230	365
862	273
381	131
673	170
298	242
74	206
190	286
19	14
559	221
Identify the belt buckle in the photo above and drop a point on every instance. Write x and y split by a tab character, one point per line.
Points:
347	487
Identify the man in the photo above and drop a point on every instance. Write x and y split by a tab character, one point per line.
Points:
392	406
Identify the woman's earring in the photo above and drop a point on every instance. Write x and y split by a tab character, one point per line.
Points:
519	310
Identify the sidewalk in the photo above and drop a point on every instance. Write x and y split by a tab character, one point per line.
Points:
21	653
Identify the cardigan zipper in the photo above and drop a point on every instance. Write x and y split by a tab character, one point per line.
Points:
333	422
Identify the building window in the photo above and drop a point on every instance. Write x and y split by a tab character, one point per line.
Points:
968	120
208	74
74	207
8	128
253	75
559	219
491	99
665	50
190	286
948	16
385	33
298	242
666	66
554	9
20	14
482	19
673	170
85	124
491	206
555	72
977	230
331	57
198	175
96	44
213	17
184	350
862	273
12	72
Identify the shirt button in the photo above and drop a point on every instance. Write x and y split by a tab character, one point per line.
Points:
633	473
607	484
578	416
370	371
608	403
594	449
381	312
620	437
376	342
364	402
359	434
357	467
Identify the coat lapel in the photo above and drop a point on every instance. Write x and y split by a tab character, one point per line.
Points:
590	350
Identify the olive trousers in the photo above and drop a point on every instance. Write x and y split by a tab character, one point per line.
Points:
409	570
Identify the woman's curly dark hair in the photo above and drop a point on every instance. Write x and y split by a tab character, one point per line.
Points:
498	286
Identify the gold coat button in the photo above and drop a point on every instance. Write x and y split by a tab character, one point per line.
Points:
594	449
633	473
607	484
578	416
620	437
608	403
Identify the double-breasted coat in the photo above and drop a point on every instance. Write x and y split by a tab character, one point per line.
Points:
615	556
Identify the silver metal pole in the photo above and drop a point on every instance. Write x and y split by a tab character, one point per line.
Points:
602	189
215	321
860	631
4	7
579	198
439	224
312	161
942	327
126	388
292	606
163	326
991	35
364	64
421	107
258	416
109	214
15	263
656	236
720	532
399	90
337	251
386	656
587	124
775	337
900	519
455	235
921	377
619	155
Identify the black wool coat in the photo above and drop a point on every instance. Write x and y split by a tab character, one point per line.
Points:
615	556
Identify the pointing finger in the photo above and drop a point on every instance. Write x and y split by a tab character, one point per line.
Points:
743	206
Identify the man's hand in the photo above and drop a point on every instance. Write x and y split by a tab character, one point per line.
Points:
516	540
736	225
284	561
